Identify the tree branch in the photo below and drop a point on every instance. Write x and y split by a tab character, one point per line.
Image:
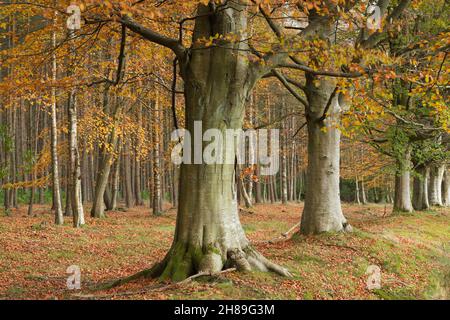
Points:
377	37
153	36
289	87
327	107
321	72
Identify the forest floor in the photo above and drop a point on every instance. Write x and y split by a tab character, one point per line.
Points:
412	250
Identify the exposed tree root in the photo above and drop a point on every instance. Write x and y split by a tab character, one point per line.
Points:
182	261
259	262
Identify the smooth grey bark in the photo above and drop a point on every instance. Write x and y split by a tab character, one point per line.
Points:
446	188
435	188
420	189
322	211
402	195
218	80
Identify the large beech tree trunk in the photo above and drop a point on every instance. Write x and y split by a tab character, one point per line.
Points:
435	190
420	189
209	235
322	211
402	195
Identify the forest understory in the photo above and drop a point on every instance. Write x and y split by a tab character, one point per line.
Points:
412	251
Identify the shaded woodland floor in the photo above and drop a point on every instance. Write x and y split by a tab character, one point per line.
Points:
413	251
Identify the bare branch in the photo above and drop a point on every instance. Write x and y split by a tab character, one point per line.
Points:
289	87
321	72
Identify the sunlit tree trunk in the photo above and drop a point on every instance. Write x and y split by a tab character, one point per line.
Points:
209	235
446	188
435	190
322	211
402	195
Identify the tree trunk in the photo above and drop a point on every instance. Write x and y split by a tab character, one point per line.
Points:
284	186
446	188
209	235
258	191
98	205
322	211
244	194
59	219
363	192
435	190
129	196
402	196
420	189
68	212
357	196
157	168
74	174
115	184
137	181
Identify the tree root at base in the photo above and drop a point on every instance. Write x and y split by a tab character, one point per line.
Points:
182	261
